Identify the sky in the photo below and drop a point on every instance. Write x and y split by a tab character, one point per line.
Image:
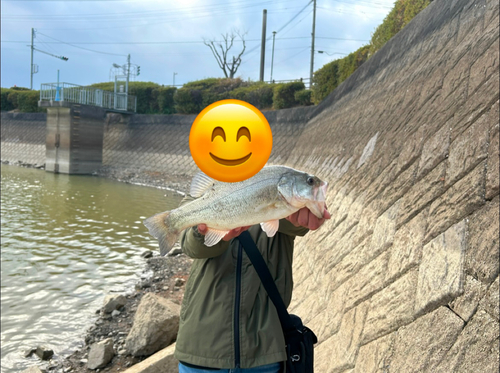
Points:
166	37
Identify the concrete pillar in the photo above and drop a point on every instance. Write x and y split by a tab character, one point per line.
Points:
74	137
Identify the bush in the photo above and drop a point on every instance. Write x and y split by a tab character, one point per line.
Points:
195	96
146	100
6	104
303	97
402	13
28	101
166	100
284	94
13	98
258	94
187	101
328	78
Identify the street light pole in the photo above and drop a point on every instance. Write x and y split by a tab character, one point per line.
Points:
128	74
312	46
272	57
31	71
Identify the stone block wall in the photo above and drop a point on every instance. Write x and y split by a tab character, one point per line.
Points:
404	277
23	137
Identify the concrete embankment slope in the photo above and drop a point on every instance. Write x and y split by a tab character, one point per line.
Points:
405	276
154	145
23	137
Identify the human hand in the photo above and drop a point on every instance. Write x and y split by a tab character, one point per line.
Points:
305	218
203	229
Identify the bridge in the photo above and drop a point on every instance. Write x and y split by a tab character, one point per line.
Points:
82	95
75	121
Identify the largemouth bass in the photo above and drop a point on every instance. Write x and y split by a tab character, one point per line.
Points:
272	194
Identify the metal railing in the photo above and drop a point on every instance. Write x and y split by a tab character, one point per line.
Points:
87	96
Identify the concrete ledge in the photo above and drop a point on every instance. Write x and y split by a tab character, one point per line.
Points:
51	103
161	362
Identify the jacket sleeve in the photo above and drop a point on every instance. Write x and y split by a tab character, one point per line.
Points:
288	228
192	241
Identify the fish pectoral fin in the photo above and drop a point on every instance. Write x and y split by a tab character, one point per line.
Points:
213	236
200	184
270	227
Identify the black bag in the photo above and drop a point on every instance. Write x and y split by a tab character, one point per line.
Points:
299	339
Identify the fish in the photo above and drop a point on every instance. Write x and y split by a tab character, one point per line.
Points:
275	192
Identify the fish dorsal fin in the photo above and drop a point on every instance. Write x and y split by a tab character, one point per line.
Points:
270	227
213	236
200	184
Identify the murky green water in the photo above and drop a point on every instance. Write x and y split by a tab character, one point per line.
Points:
66	242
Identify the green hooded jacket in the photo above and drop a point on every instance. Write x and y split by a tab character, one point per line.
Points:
226	316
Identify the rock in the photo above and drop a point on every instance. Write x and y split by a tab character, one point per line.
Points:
101	354
155	326
143	285
179	281
175	251
114	302
115	313
147	254
83	361
44	353
33	369
162	361
29	352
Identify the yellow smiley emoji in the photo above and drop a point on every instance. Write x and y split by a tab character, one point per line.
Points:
230	140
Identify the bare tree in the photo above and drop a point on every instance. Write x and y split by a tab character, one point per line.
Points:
220	49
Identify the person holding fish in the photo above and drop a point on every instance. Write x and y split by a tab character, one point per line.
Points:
227	321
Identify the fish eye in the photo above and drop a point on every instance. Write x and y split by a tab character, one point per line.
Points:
243	131
310	180
218	131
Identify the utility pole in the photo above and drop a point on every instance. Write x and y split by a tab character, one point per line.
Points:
263	45
31	71
128	73
272	57
312	46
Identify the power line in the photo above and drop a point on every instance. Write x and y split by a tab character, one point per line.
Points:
164	42
90	50
197	9
282	27
291	28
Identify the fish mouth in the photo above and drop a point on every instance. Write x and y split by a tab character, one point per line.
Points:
230	162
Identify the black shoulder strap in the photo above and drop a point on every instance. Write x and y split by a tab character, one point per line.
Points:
260	266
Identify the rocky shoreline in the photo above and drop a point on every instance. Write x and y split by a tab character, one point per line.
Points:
164	277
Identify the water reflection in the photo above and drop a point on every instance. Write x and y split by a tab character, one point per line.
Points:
66	241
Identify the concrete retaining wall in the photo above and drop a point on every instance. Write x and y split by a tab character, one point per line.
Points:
404	278
23	137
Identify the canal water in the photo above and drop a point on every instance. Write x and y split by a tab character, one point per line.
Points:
66	242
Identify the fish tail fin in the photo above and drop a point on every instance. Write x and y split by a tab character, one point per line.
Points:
160	228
